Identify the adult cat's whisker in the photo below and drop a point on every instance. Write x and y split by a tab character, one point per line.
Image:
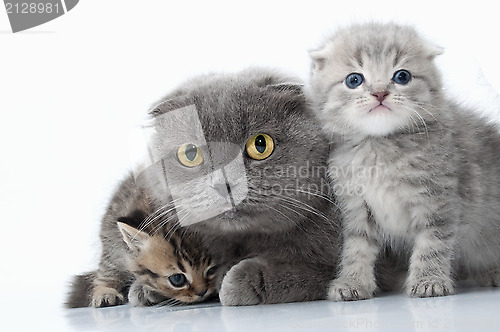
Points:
303	216
302	205
284	215
171	231
315	193
297	224
165	221
157	214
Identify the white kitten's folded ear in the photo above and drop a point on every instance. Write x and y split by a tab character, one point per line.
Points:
432	50
318	59
134	238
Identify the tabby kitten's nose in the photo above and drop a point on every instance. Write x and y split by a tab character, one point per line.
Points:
380	95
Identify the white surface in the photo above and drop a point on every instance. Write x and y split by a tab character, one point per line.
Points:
72	90
472	310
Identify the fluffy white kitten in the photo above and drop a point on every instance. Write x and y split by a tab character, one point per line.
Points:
430	188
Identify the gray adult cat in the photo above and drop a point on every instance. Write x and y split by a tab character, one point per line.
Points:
413	170
238	160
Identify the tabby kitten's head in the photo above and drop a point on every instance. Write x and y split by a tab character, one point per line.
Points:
376	80
172	267
238	152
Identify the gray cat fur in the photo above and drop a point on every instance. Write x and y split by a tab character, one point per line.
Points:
435	192
281	251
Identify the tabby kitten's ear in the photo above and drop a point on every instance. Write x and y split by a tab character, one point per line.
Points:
134	238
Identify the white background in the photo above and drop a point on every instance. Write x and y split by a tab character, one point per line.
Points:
72	91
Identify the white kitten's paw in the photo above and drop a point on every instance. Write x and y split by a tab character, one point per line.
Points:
489	278
349	290
243	284
430	287
106	297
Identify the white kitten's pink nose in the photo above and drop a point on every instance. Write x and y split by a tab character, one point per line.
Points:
380	95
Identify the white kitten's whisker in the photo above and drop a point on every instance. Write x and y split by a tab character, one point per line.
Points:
432	115
422	121
420	118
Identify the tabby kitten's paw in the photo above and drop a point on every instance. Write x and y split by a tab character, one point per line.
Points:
489	278
140	296
343	289
244	284
103	296
430	287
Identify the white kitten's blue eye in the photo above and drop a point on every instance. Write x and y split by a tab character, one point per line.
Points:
354	80
177	280
401	77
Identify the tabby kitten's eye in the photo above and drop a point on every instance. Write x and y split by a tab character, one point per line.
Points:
189	155
259	146
401	77
354	80
177	280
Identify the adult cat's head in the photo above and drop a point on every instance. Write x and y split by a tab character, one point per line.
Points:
376	80
239	152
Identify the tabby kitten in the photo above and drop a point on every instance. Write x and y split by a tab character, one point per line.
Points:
166	270
169	266
413	171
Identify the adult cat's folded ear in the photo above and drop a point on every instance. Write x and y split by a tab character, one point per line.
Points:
168	105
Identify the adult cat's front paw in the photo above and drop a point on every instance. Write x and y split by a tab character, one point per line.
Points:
430	287
343	289
244	284
103	296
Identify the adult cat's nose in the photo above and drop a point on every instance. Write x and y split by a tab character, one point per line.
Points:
380	95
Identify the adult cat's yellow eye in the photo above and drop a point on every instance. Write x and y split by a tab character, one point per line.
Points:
189	155
259	146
